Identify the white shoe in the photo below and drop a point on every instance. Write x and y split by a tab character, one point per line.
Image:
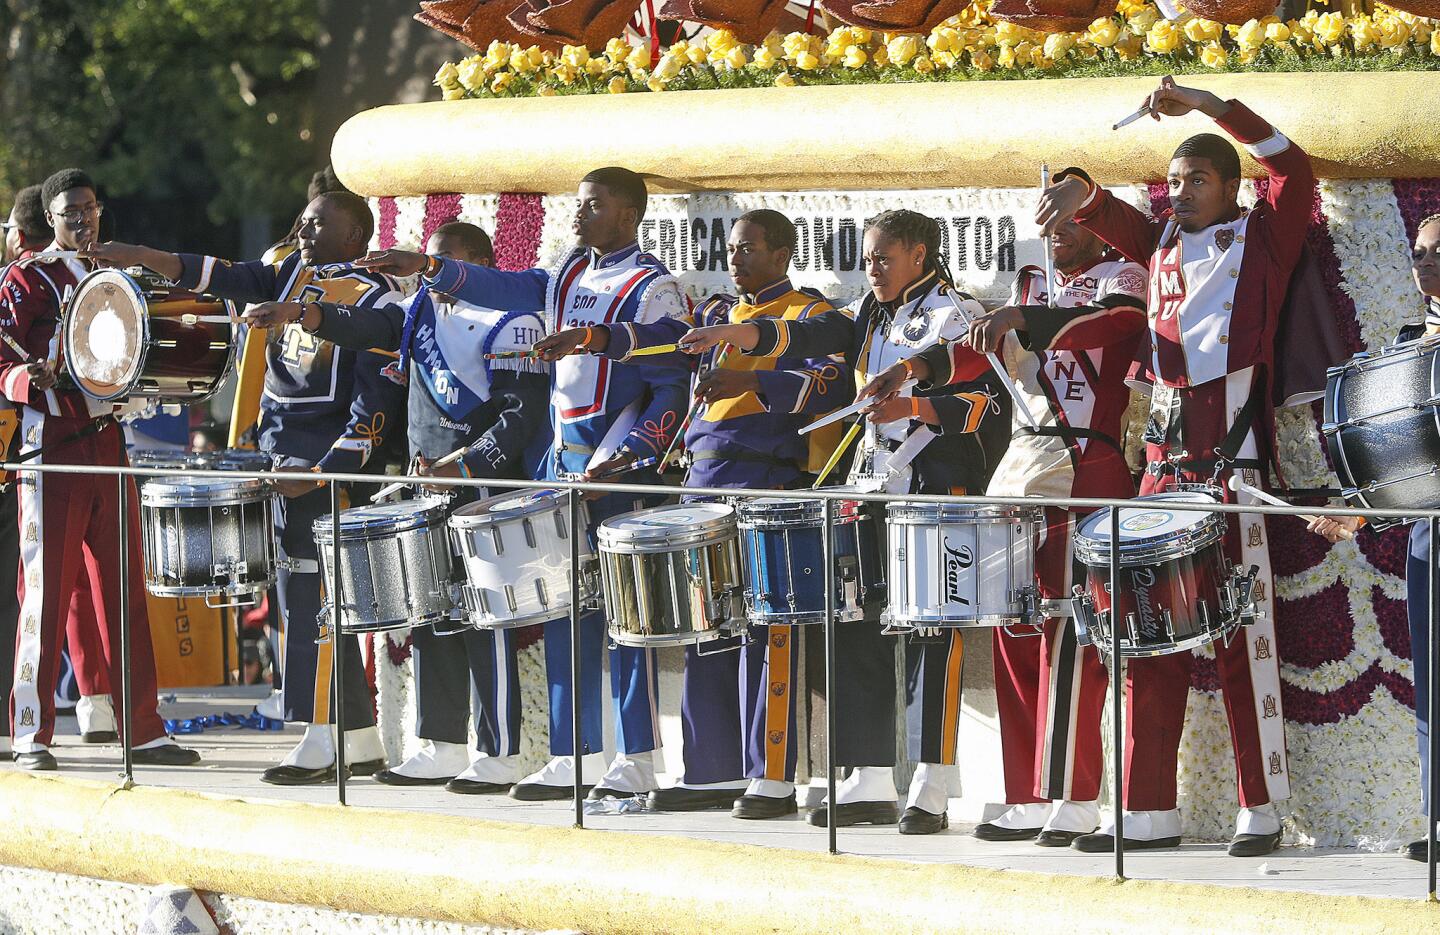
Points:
363	745
316	748
436	760
1262	819
560	771
772	788
272	707
95	714
632	774
497	769
930	788
1081	817
1030	815
1147	826
867	784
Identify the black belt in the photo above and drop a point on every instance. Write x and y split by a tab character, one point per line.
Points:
738	454
1071	435
1201	465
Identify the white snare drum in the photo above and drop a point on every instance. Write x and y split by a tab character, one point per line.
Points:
394	565
957	565
671	574
211	536
515	549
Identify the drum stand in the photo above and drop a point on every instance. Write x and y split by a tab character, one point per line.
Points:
1432	852
576	531
1117	700
127	746
337	644
827	542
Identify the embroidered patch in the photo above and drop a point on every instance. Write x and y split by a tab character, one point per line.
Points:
918	324
1130	282
1224	238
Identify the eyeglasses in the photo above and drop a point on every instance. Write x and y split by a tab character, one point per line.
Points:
76	215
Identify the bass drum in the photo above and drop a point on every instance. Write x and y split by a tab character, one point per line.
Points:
1382	426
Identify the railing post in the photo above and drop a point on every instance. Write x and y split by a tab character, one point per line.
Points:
127	707
337	643
1117	697
576	531
827	534
1432	714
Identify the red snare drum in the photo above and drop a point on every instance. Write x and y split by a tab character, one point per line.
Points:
130	335
1178	590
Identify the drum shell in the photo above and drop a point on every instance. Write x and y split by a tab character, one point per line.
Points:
210	544
1369	443
784	560
391	576
516	564
1167	607
960	566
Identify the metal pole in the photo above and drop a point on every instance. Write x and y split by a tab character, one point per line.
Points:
1432	715
127	706
337	643
828	553
576	531
1117	698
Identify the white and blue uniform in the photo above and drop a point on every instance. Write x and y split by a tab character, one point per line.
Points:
599	407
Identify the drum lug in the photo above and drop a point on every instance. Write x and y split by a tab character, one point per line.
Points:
1082	609
888	626
323	620
1132	627
1169	620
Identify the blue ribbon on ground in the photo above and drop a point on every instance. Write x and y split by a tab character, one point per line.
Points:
198	725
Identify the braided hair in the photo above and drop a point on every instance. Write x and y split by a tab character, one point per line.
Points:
1426	222
912	227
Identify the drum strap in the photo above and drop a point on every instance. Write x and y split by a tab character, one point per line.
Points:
90	428
1071	435
738	454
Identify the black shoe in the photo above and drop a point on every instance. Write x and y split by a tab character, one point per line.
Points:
855	813
1100	843
45	760
542	792
298	775
391	778
680	799
366	767
763	806
167	755
100	736
989	831
1416	850
918	821
1254	845
605	792
477	787
1054	838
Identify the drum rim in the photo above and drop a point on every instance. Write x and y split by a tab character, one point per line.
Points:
477	513
1169	649
430	516
127	282
712	531
910	512
783	512
1179	544
721	630
178	491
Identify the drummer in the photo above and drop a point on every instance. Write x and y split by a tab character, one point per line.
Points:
907	309
746	437
1425	269
325	408
1069	359
601	409
498	413
67	521
1218	278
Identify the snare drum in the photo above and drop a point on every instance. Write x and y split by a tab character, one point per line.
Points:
1177	589
958	565
237	459
208	536
128	336
1381	412
515	549
394	565
785	560
671	574
158	458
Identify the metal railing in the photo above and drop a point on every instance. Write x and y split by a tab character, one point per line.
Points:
1115	661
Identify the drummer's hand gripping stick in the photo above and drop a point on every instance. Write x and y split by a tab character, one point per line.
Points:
390	490
1239	486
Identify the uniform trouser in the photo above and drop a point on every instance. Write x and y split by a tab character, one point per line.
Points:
769	672
306	693
710	718
67	521
1049	690
1417	586
82	641
9	600
448	669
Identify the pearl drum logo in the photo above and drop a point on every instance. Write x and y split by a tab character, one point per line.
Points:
959	559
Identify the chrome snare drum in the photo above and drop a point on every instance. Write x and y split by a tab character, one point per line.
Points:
785	560
1178	590
515	549
957	565
671	574
207	535
394	565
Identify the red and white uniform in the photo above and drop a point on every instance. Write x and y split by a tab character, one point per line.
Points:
1069	363
1215	301
67	521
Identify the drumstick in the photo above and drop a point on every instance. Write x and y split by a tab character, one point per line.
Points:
839	451
1049	244
627	467
389	489
510	355
1144	109
1239	486
690	416
657	349
15	346
998	367
191	319
849	410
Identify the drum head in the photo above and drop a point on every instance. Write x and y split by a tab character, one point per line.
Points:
238	459
1155	522
387	517
105	334
505	506
189	490
162	458
663	526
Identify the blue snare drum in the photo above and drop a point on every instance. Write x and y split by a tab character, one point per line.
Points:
784	560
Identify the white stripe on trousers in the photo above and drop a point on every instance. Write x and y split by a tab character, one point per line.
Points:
29	650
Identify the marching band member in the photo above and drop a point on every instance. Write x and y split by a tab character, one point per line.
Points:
1069	361
1425	269
324	408
907	310
1218	278
602	408
738	708
497	411
68	533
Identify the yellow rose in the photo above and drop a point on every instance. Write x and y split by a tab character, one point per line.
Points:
1330	28
1058	45
1435	42
902	49
1129	46
545	91
922	64
862	35
763	58
1103	33
1007	33
1393	32
838	41
941	40
502	81
735	58
982	59
950	60
1301	32
1203	30
807	61
696	54
1142	21
669	66
1007	57
471	74
639	57
1212	55
783	80
1251	35
1163	37
775	43
880	57
1128	8
655	83
448	76
795	43
575	56
497	54
564	73
616	85
595	66
1363	31
1246	56
617	48
455	93
520	61
721	40
855	57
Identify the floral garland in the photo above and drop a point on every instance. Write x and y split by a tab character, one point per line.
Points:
969	45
